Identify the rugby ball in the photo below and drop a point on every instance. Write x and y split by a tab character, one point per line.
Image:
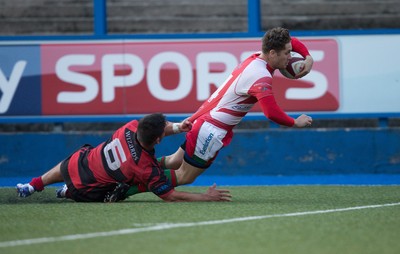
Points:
294	66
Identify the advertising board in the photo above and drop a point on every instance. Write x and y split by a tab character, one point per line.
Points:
139	77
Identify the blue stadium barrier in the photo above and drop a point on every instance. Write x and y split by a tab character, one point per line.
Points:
263	153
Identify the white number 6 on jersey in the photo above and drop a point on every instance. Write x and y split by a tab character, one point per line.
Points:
111	151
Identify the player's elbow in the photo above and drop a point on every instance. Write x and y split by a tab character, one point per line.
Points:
170	197
186	180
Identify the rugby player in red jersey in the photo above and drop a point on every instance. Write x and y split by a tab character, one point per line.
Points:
105	173
249	83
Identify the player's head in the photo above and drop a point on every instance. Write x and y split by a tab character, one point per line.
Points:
275	39
276	44
151	129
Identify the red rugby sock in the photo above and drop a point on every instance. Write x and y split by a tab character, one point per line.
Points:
37	183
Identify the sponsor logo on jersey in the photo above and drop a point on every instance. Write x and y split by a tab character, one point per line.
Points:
129	137
206	143
242	107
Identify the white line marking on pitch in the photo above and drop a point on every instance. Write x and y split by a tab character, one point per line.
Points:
165	226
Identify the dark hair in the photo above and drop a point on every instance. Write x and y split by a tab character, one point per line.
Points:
276	39
150	128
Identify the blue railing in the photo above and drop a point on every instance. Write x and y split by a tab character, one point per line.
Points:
383	118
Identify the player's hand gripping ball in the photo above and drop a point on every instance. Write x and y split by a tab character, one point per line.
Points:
295	65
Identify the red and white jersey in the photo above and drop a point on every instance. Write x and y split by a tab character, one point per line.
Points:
250	81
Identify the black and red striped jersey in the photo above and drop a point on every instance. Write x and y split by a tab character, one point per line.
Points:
122	159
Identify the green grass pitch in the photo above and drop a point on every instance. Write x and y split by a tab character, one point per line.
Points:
292	219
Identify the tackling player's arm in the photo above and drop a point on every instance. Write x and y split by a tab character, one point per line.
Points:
160	185
212	194
174	128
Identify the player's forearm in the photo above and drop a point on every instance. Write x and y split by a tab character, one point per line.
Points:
175	128
271	110
299	47
180	196
212	194
172	128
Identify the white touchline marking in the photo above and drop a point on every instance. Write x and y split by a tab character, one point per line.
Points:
165	226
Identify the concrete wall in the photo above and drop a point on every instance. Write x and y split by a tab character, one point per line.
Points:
43	17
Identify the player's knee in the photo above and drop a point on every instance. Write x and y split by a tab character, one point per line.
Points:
174	161
187	174
187	179
184	178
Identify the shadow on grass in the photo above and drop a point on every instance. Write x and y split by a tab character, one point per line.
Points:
8	196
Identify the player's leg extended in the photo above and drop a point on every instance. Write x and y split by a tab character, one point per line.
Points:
38	183
52	176
202	146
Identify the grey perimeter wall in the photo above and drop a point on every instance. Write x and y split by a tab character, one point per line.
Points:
43	17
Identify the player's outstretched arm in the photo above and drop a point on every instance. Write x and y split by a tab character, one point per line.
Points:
212	194
185	125
174	128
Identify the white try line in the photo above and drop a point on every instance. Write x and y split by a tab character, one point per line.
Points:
166	226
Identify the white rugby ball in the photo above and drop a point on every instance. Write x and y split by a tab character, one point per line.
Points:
294	66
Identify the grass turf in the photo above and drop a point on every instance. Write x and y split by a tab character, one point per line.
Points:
373	230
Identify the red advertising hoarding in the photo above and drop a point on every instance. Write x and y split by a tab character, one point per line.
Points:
170	76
